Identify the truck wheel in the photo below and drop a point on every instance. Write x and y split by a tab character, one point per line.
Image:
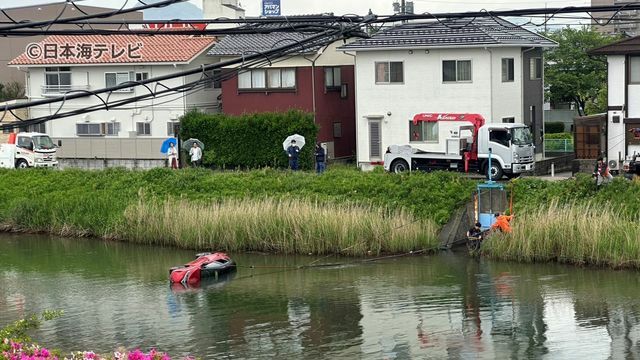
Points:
496	171
399	166
22	164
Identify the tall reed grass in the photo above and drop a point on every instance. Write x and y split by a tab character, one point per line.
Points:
586	233
272	225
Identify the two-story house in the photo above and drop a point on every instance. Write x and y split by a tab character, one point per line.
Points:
487	66
318	80
623	111
128	136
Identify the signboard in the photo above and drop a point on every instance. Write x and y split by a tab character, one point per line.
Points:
271	7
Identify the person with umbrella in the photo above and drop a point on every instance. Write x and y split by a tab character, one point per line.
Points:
294	152
320	158
196	154
172	156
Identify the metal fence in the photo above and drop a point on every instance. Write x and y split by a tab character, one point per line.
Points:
558	145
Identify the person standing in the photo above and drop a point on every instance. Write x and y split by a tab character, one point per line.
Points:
196	155
294	152
172	156
320	159
601	172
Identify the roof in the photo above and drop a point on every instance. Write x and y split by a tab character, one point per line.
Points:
476	32
622	47
113	49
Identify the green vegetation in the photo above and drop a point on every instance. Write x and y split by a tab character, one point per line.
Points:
250	141
106	204
280	226
553	127
570	221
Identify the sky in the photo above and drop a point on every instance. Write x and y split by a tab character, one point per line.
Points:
360	7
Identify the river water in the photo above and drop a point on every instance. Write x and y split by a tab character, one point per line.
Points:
443	306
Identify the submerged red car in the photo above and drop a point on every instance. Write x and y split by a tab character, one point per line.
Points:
205	265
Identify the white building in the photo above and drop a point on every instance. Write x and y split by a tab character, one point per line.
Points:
485	66
230	9
127	136
623	112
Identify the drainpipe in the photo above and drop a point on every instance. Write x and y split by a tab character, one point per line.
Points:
313	83
490	83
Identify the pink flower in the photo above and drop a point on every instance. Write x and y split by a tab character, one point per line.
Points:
44	352
165	357
136	355
89	355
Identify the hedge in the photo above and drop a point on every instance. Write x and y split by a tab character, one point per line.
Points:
553	127
250	141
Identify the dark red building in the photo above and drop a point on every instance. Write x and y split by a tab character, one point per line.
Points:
319	82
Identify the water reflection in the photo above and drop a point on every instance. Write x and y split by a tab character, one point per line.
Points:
446	306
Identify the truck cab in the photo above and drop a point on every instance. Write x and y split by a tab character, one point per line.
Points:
28	150
511	148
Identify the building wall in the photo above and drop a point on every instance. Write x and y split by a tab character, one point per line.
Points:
158	112
12	47
616	99
533	98
424	91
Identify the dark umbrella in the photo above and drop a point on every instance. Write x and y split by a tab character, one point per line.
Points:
165	144
187	144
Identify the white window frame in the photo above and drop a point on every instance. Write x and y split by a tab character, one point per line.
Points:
263	74
213	80
387	75
457	76
57	71
142	75
129	75
146	128
94	126
510	66
171	127
111	128
423	127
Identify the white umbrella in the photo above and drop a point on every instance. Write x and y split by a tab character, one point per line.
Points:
298	138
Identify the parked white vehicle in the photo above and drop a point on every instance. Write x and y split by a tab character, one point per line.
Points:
28	150
462	142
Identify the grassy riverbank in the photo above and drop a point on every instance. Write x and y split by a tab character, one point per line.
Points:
284	212
570	221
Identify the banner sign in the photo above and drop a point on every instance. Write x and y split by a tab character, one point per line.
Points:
271	7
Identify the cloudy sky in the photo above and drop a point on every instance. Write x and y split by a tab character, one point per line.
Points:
361	7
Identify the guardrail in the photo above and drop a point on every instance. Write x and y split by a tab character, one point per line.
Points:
558	145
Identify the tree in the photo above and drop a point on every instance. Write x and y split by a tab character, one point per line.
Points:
570	73
11	91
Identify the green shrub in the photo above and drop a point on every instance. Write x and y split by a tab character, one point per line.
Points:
250	141
553	127
559	136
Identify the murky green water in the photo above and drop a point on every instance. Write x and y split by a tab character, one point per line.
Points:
420	307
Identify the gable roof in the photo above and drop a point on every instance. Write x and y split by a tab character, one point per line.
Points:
453	33
622	47
113	49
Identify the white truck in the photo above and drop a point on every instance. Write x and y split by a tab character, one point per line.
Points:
28	150
462	142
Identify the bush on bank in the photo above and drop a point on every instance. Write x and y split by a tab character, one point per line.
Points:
250	141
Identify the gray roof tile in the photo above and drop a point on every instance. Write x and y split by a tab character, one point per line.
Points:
451	33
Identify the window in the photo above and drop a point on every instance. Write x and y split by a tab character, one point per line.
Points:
213	79
115	79
456	70
140	76
507	70
509	120
634	69
25	142
270	78
91	129
423	131
57	79
499	136
112	128
143	128
39	128
332	78
389	72
173	128
7	131
337	130
535	68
